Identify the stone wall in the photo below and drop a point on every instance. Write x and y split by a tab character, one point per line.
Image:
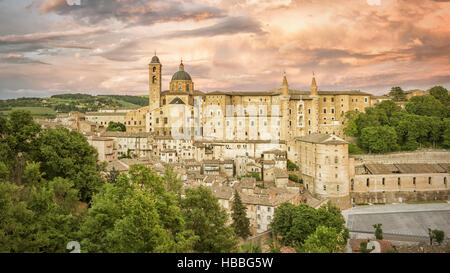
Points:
398	197
421	156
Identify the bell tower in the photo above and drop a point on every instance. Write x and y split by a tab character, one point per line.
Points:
154	70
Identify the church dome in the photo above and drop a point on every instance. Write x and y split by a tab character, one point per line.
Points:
181	75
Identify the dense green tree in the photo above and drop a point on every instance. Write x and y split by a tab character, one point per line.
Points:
241	223
331	216
172	182
324	240
38	216
116	127
67	154
412	130
426	106
446	133
351	128
441	94
389	108
397	94
208	219
18	142
296	223
136	214
379	139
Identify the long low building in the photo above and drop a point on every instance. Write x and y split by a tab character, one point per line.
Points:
104	118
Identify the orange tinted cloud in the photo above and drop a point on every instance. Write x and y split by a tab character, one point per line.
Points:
233	45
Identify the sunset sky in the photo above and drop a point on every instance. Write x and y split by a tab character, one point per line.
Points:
104	46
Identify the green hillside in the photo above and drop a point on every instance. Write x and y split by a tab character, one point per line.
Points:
65	103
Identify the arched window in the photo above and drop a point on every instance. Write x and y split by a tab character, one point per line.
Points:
154	79
187	87
154	69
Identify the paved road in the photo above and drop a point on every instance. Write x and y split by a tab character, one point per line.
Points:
400	221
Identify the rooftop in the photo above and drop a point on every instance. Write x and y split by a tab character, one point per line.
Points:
322	139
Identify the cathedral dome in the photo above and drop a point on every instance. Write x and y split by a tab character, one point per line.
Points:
181	75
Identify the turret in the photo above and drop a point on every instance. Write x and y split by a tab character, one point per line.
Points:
314	89
284	86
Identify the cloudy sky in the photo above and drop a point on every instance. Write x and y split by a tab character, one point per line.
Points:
104	46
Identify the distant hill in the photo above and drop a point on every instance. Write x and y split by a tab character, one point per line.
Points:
65	103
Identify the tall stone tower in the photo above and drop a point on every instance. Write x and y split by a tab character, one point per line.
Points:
314	94
284	104
284	86
154	70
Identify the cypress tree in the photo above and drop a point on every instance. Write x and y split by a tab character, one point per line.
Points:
241	224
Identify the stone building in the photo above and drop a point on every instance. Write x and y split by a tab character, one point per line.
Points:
400	177
277	115
324	165
104	118
105	147
137	144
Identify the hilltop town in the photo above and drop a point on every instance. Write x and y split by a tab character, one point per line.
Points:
272	147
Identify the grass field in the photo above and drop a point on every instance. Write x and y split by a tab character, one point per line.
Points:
35	111
123	103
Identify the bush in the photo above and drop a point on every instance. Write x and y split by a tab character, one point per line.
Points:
293	177
378	232
250	248
363	247
291	166
353	149
438	235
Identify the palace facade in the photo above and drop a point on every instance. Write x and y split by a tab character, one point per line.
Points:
280	114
